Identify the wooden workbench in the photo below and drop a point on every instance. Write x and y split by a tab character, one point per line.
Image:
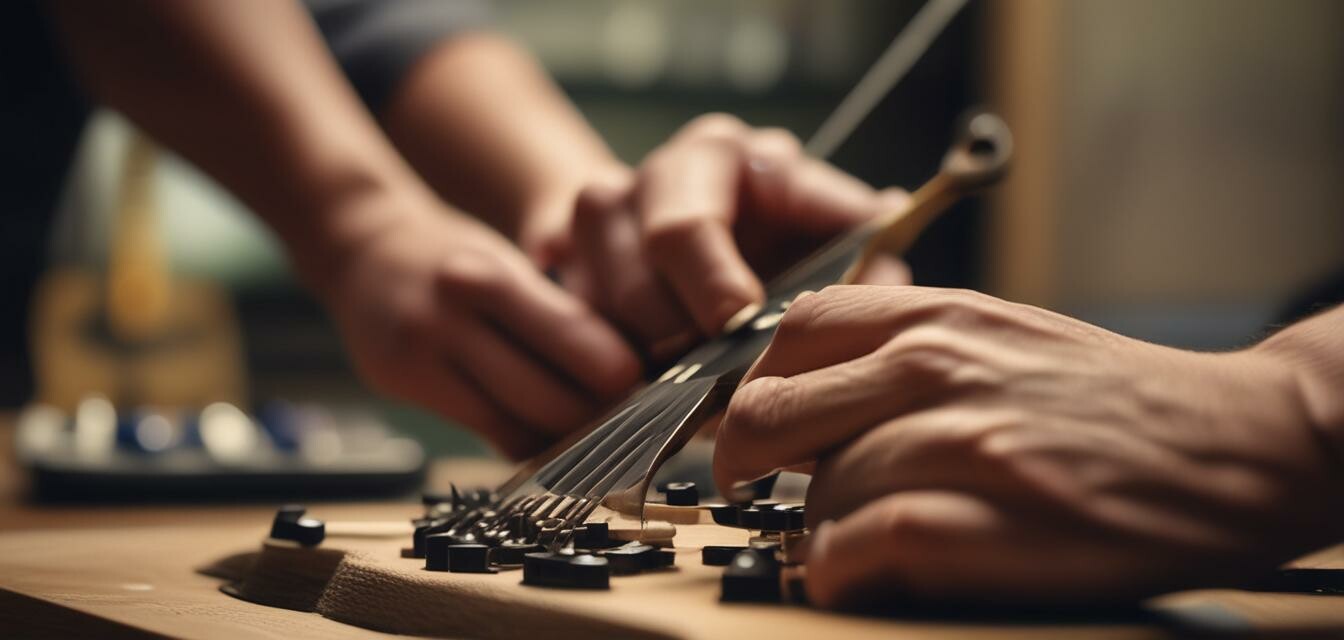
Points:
134	572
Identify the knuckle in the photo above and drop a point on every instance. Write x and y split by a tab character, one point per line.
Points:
928	353
671	238
655	162
997	440
965	307
955	308
758	408
595	201
714	125
908	525
805	312
800	315
775	142
469	274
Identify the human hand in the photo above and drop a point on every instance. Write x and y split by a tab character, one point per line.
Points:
967	448
672	251
437	309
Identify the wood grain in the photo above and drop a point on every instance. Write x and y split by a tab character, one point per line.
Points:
135	572
146	578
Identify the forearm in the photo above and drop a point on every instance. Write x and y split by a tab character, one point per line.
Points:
486	126
1314	348
247	91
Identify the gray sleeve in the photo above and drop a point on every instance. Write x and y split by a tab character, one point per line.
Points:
377	41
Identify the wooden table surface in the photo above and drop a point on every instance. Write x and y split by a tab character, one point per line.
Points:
117	571
66	600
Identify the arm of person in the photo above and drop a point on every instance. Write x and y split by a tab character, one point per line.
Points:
434	306
970	449
1314	348
486	126
668	251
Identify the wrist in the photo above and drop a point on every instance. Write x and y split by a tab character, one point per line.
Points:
1316	379
330	237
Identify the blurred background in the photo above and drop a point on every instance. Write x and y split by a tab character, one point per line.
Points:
1179	177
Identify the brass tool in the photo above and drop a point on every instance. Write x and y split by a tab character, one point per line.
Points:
978	160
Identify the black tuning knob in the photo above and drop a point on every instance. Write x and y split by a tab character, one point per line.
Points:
594	535
635	557
418	538
289	524
583	571
752	576
719	556
469	558
436	551
782	518
510	554
749	517
725	515
682	494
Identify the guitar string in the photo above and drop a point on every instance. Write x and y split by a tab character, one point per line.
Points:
611	445
903	52
549	474
682	410
625	443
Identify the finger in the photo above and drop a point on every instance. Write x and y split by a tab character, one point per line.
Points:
892	545
513	379
625	288
792	203
946	448
841	323
945	546
776	421
557	327
687	199
804	193
439	387
976	448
